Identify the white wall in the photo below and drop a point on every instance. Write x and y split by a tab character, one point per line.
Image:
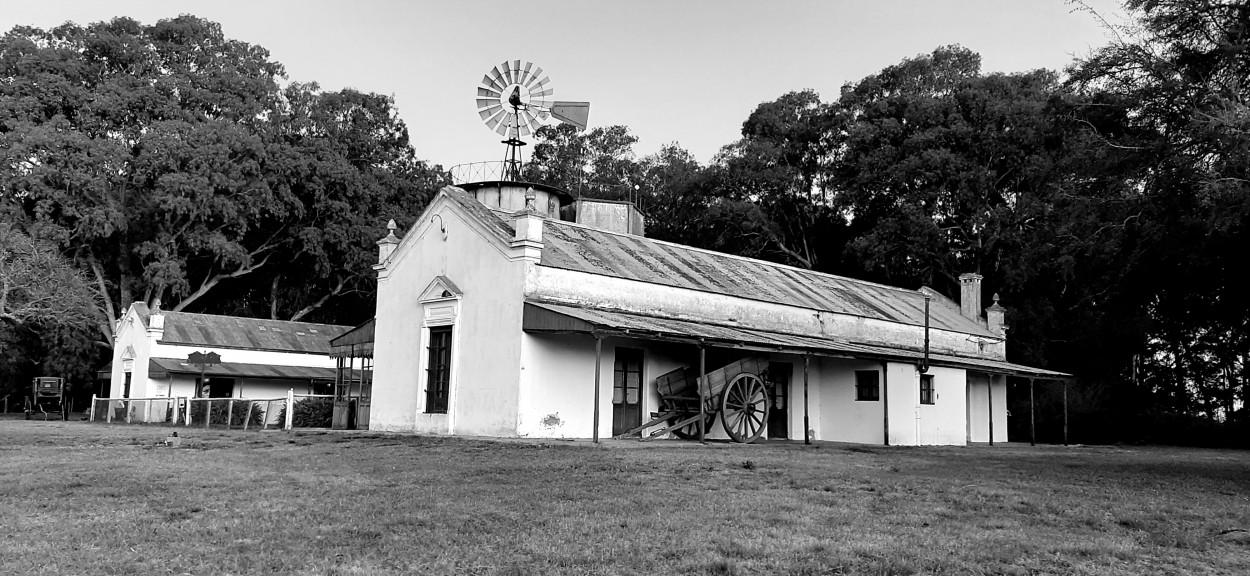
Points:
180	352
979	385
843	418
486	335
130	333
941	423
558	382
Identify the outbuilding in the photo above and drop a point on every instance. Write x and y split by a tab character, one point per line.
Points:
255	358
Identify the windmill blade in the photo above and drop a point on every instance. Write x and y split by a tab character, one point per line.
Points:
538	73
488	112
485	103
516	71
575	113
497	79
488	93
528	119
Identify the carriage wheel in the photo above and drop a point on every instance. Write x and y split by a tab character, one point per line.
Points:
691	431
744	408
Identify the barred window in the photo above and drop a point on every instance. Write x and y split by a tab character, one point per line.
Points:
926	389
438	372
867	385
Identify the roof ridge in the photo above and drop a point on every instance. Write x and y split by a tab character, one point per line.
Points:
251	318
738	257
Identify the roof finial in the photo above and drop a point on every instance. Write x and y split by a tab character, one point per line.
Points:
529	201
392	226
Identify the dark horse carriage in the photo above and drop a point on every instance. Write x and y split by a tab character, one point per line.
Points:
738	392
47	397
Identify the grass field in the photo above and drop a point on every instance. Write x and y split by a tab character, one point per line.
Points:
80	498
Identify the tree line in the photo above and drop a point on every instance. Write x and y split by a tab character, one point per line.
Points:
1105	204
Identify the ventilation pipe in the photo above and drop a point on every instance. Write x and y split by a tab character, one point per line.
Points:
924	364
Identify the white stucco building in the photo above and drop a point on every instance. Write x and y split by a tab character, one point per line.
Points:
493	317
259	358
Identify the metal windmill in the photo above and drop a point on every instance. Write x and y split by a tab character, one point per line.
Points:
515	100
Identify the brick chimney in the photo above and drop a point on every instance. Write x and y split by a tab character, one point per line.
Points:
387	245
970	296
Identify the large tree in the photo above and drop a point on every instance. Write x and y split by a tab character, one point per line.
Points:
168	161
1181	72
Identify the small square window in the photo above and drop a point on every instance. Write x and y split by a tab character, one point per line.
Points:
867	385
926	389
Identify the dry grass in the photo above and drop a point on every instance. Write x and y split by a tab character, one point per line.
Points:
79	498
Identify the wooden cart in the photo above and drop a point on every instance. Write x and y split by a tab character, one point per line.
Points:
737	392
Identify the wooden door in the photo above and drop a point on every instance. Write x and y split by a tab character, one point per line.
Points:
779	399
342	396
365	399
627	390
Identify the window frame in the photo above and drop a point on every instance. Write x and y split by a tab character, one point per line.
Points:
620	366
867	392
928	394
438	369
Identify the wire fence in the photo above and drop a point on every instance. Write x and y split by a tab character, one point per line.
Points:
291	411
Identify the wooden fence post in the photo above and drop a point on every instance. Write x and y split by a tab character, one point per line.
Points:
229	412
290	408
248	418
92	417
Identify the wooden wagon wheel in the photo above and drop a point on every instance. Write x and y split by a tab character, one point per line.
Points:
744	408
691	431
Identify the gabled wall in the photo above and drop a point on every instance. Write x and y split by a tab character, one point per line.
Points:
486	347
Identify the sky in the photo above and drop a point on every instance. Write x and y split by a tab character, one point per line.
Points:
687	72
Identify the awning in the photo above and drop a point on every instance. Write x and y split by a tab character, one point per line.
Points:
162	367
355	343
556	318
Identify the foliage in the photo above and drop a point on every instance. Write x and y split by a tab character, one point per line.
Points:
235	409
773	183
310	413
598	163
167	161
1179	72
47	308
38	286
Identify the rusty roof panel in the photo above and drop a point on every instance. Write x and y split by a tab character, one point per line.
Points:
584	249
249	333
547	317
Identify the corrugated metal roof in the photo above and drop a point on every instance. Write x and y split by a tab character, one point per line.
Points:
546	317
357	342
161	367
249	333
585	249
573	247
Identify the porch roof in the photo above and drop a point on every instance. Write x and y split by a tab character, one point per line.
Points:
556	318
162	367
355	343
